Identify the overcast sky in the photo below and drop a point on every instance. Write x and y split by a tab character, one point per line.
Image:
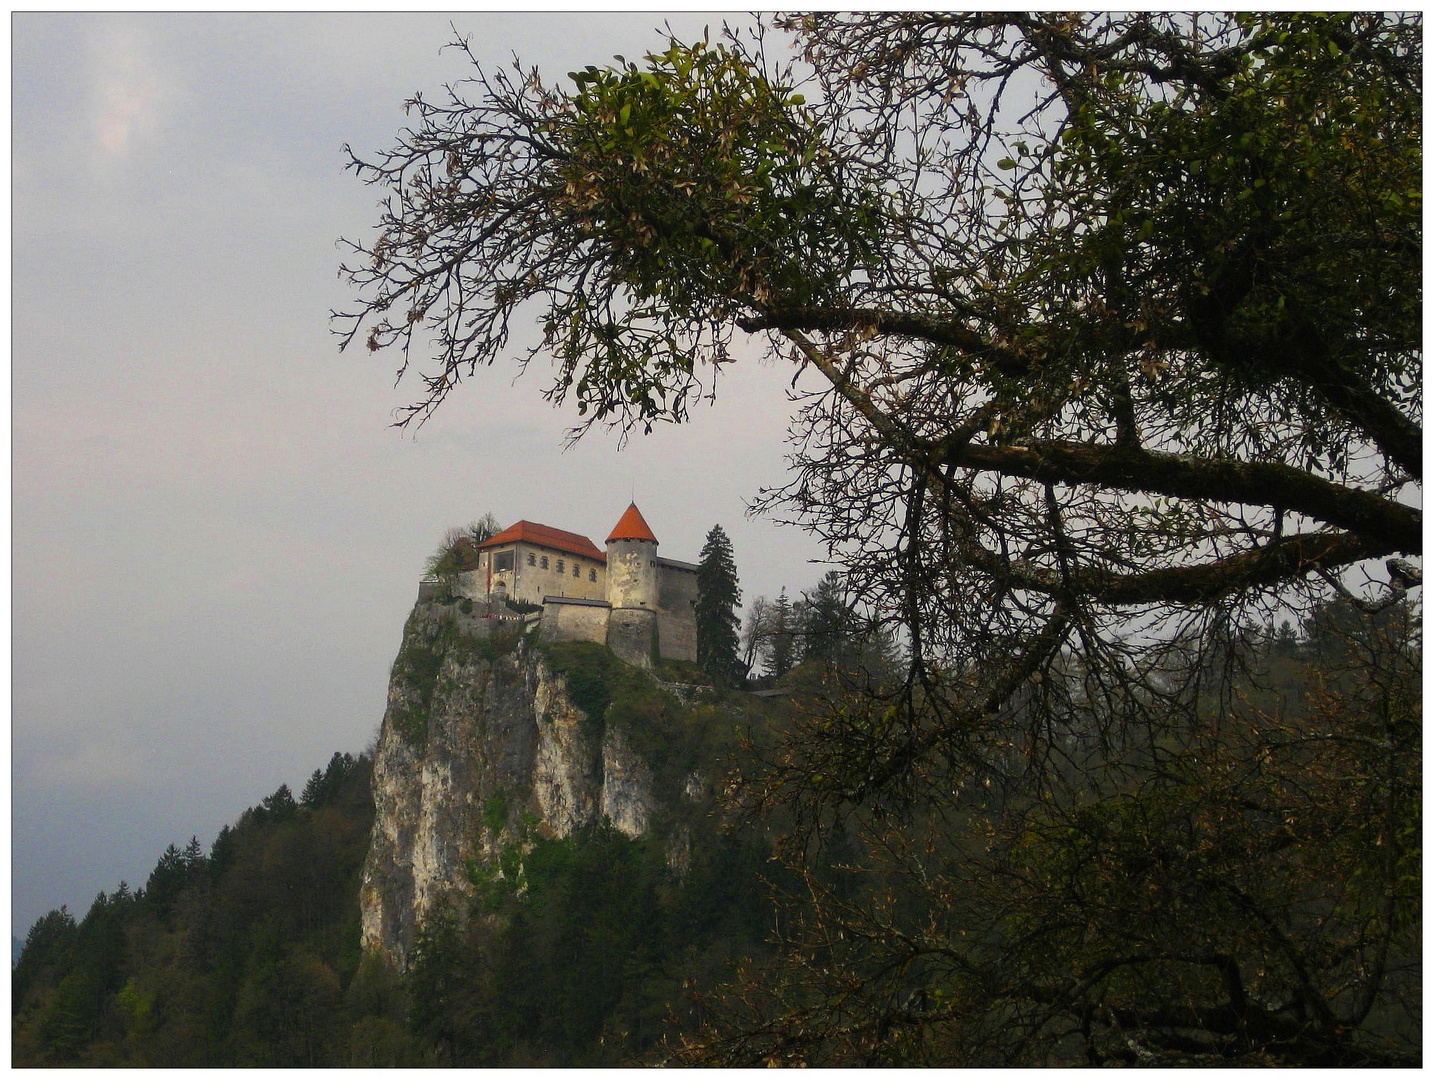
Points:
216	533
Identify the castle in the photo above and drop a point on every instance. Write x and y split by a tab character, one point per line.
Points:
638	604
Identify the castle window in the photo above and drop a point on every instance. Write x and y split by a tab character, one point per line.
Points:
560	566
545	562
592	575
577	570
532	559
502	560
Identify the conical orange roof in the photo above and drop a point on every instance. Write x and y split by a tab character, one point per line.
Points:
631	526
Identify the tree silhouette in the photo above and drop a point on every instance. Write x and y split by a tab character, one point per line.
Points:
718	597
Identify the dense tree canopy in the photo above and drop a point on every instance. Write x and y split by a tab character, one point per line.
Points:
1113	328
251	956
232	958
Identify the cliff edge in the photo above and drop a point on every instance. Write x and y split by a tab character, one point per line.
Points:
491	739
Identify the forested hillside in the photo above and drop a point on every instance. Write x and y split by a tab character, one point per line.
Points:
249	955
239	956
1288	855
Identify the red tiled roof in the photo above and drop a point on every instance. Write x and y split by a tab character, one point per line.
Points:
530	532
631	526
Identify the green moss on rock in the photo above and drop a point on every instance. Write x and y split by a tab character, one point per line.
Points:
433	635
604	687
588	670
415	675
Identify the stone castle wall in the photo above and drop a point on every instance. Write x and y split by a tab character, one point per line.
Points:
575	622
627	631
676	610
530	580
631	634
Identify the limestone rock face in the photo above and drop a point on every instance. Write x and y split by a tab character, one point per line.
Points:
481	745
626	785
567	773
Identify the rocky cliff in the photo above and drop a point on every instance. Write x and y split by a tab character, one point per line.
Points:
489	740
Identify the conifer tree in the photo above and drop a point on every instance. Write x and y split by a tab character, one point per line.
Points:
718	595
826	630
780	658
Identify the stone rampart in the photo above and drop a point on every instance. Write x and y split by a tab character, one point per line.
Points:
676	609
631	634
574	620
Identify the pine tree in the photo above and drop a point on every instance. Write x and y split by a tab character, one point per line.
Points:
827	632
324	784
781	656
718	595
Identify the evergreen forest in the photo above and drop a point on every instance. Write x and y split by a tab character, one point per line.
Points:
248	955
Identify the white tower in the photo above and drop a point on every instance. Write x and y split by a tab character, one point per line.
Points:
632	562
632	631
